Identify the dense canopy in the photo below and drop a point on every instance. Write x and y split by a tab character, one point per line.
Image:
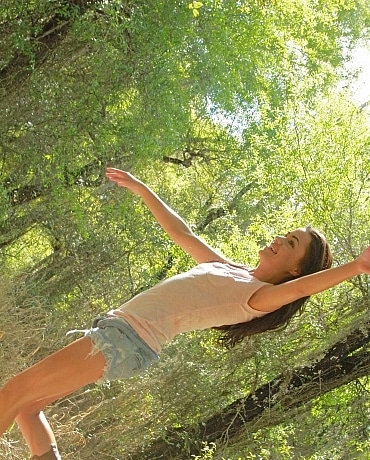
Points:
239	115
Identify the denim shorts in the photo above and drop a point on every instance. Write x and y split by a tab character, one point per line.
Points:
126	354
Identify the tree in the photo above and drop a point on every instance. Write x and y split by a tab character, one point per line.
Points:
154	88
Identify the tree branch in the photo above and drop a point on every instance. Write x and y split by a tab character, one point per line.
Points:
215	213
345	361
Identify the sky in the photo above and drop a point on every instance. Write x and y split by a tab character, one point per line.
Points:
361	88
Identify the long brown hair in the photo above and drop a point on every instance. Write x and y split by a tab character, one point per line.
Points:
318	257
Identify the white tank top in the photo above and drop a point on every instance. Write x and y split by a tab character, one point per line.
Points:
208	295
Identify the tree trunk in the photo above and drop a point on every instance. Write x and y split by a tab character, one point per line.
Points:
344	362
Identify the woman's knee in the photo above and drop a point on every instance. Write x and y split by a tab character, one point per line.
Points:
18	393
13	390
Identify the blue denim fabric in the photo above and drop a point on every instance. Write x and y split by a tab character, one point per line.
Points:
126	353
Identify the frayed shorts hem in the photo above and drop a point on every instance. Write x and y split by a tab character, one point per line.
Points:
125	352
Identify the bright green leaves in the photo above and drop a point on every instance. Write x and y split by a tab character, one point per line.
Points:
195	7
150	87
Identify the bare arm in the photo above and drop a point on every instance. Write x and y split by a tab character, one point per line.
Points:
270	298
168	219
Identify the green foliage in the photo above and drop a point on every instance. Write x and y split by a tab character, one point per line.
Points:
155	88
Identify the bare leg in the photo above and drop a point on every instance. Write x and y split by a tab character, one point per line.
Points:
36	432
35	428
56	376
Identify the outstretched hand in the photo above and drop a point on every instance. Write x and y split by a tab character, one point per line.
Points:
363	261
124	179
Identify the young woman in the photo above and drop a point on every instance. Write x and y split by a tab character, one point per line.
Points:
217	293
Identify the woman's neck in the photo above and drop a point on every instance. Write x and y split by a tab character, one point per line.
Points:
267	276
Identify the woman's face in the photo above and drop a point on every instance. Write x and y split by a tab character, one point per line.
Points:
284	255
